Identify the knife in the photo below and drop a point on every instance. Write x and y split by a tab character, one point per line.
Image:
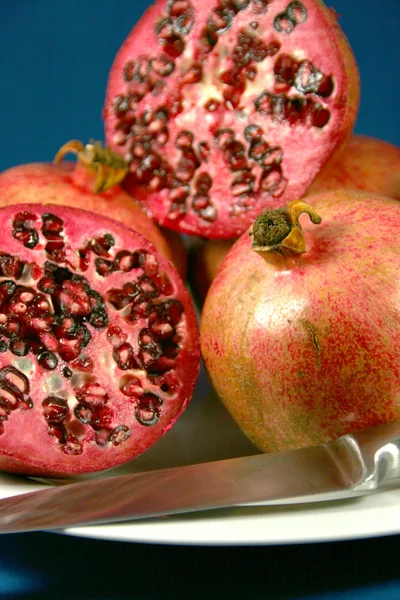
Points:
353	465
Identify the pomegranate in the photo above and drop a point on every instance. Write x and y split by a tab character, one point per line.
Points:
205	257
91	184
99	348
301	338
223	107
365	163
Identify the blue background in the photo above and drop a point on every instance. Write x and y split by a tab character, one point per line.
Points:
54	57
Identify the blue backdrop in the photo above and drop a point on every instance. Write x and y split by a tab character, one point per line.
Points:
55	56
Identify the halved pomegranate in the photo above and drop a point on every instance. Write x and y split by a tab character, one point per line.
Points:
224	107
99	350
91	184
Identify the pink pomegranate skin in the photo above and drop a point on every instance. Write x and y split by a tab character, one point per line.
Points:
303	349
261	70
72	185
95	366
364	163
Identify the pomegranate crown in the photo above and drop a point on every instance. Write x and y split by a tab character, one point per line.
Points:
279	230
110	168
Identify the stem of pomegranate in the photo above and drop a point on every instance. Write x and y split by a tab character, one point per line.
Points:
109	167
279	230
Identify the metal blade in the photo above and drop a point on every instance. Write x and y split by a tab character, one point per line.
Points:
332	470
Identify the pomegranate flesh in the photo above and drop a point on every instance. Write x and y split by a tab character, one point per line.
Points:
90	184
99	349
303	347
223	107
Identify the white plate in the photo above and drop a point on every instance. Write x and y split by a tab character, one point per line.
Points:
206	432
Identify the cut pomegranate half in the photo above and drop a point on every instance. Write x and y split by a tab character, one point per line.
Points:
99	350
224	107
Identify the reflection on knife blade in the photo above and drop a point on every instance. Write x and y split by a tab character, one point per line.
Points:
352	465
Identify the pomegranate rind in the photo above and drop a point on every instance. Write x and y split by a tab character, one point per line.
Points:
25	443
306	149
304	349
364	163
69	184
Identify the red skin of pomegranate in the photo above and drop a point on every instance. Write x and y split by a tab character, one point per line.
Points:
69	184
304	348
95	366
365	163
283	68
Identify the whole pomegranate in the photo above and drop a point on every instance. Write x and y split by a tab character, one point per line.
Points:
90	184
301	338
99	348
223	107
365	163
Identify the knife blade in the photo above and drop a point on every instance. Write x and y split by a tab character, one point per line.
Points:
352	465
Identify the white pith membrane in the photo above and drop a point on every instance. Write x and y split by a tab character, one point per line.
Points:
64	409
168	109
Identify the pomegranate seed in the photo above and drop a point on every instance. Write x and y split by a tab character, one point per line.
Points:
125	261
297	12
47	285
54	244
102	417
48	360
91	395
15	377
98	319
51	224
124	357
321	116
131	387
163	65
83	414
84	364
28	237
25	220
116	335
104	267
55	409
148	410
72	445
58	431
69	349
67	373
147	287
119	435
10	266
18	346
102	437
102	244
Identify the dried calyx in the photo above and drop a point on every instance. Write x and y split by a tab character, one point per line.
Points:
110	168
279	230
